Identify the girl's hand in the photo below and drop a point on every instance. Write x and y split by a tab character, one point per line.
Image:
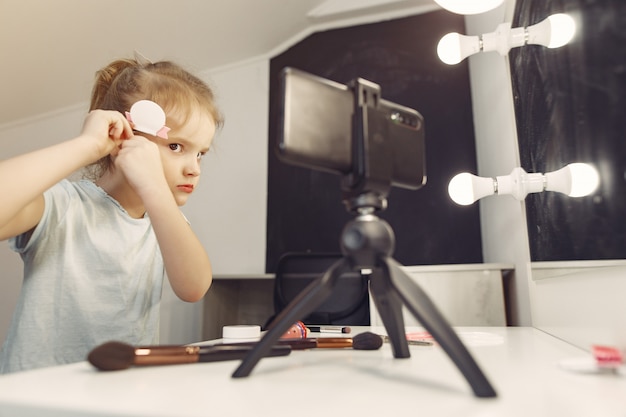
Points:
139	160
107	128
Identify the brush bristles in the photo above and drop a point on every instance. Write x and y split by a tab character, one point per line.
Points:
112	356
367	341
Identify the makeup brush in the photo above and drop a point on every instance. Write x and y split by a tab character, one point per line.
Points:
114	356
362	341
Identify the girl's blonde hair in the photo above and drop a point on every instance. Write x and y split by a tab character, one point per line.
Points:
125	81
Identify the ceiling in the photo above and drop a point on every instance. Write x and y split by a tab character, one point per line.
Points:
50	50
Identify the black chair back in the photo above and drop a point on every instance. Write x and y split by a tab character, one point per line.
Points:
347	305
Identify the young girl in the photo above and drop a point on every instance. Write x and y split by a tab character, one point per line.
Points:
95	252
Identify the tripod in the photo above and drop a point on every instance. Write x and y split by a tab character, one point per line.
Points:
367	243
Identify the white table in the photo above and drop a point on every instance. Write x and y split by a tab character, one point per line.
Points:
521	363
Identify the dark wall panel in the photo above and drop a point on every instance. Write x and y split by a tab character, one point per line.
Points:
305	211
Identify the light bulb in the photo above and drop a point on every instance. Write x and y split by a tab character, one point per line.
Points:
575	180
469	6
454	48
553	32
466	188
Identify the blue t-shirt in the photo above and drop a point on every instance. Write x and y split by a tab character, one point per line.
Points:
92	274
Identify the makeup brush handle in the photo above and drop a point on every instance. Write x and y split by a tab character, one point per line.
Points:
334	342
294	344
232	352
172	355
165	355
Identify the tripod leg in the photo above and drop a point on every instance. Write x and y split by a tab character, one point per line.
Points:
424	310
389	306
301	306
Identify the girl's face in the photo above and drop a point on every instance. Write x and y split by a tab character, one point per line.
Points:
182	153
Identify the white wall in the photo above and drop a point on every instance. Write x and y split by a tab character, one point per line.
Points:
229	208
581	301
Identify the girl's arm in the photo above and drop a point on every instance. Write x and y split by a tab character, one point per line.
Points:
186	262
26	177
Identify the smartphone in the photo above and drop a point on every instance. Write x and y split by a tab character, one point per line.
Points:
316	131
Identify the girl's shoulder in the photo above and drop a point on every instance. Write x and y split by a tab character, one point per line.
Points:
83	189
70	196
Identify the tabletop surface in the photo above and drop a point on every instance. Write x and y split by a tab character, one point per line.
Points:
522	363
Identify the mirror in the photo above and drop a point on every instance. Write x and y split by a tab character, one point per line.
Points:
570	106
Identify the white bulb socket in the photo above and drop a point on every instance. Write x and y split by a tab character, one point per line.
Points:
519	183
